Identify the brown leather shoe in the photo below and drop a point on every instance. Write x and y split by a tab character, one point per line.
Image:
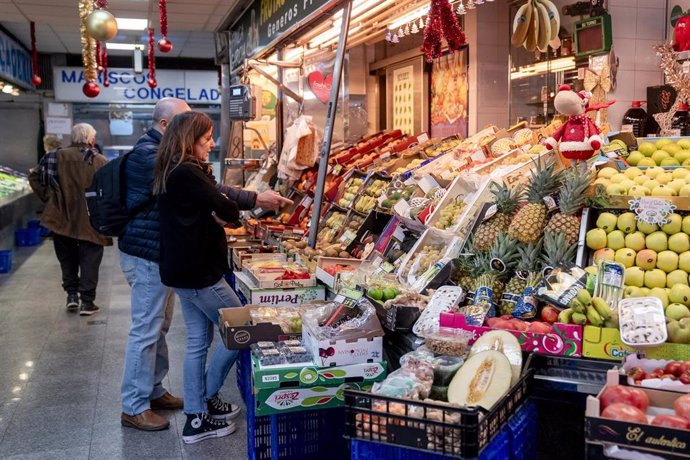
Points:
146	421
167	402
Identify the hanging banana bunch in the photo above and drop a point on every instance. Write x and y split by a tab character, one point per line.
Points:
536	26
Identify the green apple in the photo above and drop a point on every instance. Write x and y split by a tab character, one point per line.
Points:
664	178
684	191
670	162
634	158
667	261
632	291
646	228
681	157
618	178
680	293
618	189
680	173
661	190
602	181
646	259
634	276
627	184
671	148
654	171
675	277
615	240
604	254
633	172
655	279
657	241
684	143
596	238
645	291
677	311
607	221
646	149
686	162
626	257
678	331
639	180
607	173
679	243
661	294
661	142
677	185
684	261
635	241
685	225
651	184
674	226
639	191
627	222
659	156
648	162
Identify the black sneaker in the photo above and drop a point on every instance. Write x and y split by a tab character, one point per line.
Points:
72	302
220	410
202	426
88	309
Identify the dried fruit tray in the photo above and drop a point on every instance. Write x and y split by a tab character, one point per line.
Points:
427	426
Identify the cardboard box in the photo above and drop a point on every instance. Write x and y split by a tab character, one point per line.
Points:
324	262
284	400
564	341
279	296
644	438
268	280
238	333
367	349
604	343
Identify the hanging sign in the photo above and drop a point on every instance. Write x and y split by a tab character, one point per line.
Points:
195	87
320	85
652	210
15	63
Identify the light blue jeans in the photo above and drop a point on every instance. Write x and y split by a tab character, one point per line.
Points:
146	358
200	309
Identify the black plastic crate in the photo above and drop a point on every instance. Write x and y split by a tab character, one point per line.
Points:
428	426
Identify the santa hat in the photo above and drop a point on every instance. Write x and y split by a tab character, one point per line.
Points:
585	96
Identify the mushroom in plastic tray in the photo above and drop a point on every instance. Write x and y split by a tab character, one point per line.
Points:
642	322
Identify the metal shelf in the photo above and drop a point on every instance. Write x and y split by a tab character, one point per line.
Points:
586	376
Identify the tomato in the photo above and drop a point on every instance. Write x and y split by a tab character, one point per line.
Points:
671	421
622	394
626	412
637	373
685	366
674	367
682	406
549	314
685	377
668	376
655	374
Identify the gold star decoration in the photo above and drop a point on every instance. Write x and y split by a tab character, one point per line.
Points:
674	77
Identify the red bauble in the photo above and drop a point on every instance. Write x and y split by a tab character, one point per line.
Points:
165	45
36	80
106	83
91	89
152	83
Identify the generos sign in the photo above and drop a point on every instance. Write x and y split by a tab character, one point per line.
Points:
15	62
194	86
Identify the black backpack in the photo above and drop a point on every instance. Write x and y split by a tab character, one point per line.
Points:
106	198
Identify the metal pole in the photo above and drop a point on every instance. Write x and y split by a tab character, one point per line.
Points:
330	122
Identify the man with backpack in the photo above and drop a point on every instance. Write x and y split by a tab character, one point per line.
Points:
59	181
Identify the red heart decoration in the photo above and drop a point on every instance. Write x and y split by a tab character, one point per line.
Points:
320	86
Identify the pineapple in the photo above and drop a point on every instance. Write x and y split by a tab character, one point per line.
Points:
504	250
530	262
557	250
571	198
530	220
506	201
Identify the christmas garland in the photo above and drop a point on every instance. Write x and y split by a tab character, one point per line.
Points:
443	23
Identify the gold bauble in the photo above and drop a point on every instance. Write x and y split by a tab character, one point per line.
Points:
101	25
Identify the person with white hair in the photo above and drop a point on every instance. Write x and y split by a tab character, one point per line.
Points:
59	180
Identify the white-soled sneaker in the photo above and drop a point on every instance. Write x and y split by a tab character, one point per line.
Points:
200	427
221	410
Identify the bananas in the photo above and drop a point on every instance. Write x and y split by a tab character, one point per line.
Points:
536	26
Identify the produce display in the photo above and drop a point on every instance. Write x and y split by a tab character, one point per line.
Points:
652	181
632	405
663	152
351	189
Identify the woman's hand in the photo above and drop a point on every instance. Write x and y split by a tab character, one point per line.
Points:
271	201
220	221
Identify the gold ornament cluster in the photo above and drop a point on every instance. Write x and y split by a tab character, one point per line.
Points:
674	77
88	43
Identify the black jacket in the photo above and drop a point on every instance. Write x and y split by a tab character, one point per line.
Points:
194	251
141	236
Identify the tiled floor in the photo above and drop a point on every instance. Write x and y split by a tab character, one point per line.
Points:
60	373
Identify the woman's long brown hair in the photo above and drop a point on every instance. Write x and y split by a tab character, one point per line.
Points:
177	145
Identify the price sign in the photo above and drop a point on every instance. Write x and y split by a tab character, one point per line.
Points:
652	210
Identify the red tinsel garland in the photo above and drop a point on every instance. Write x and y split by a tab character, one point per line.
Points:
100	4
35	77
443	23
163	10
98	56
152	63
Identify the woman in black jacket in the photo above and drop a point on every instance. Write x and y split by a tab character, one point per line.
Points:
193	260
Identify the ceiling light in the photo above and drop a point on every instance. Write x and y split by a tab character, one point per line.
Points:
131	24
122	46
416	14
7	89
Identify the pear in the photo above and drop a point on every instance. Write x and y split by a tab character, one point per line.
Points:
634	276
596	238
646	228
627	223
655	279
679	243
615	240
674	226
604	254
684	261
646	259
626	257
657	241
674	278
660	294
607	221
680	293
635	241
667	261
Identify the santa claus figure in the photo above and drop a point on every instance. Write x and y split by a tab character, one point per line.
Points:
579	137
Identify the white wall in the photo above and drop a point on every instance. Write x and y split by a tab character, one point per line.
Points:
637	26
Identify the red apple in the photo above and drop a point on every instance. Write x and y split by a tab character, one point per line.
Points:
626	412
682	406
685	377
539	327
627	395
671	421
674	367
549	314
637	373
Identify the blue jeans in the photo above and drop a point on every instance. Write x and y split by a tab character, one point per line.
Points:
146	358
200	309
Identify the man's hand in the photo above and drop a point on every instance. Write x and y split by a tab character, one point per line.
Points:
271	201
